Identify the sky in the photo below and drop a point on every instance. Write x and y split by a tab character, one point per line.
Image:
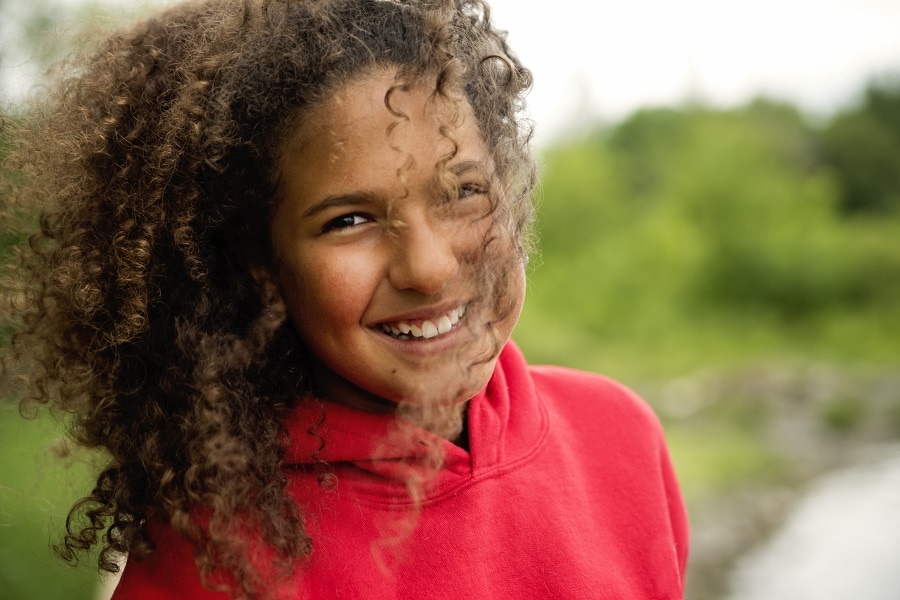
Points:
603	59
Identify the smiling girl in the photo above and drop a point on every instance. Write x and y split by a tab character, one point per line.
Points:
281	253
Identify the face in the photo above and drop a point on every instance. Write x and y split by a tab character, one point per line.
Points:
380	269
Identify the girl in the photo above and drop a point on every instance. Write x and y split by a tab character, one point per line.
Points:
280	257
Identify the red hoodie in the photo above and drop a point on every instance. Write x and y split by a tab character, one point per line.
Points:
567	492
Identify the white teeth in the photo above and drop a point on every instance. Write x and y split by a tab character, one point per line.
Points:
444	325
429	330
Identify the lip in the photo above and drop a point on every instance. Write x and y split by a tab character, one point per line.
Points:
420	314
423	347
418	345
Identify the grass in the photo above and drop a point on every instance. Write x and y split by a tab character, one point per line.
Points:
36	490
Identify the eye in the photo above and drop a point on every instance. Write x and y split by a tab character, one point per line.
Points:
467	190
345	222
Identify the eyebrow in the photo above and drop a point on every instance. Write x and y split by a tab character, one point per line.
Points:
464	166
341	200
360	198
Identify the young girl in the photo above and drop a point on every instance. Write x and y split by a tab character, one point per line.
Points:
280	256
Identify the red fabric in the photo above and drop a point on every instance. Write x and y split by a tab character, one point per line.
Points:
568	492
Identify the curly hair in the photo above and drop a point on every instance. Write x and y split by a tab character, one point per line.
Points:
153	162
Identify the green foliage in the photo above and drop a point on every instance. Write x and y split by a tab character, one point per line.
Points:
718	457
863	146
844	414
36	490
682	238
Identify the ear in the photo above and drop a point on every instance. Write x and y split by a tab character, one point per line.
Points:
266	284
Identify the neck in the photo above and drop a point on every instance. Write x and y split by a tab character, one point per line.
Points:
444	420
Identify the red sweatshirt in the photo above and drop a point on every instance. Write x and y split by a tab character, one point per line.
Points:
567	492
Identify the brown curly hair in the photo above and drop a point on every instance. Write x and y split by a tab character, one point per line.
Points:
153	163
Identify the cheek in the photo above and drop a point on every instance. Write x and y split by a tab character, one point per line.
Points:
519	290
326	292
511	305
503	268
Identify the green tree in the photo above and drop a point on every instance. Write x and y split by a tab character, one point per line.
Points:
862	145
682	236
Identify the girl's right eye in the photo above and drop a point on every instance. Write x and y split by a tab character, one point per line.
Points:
345	222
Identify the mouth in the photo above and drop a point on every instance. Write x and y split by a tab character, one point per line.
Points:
425	329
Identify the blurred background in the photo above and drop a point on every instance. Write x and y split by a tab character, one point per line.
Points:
719	217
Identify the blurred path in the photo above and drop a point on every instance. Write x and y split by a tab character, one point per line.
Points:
841	541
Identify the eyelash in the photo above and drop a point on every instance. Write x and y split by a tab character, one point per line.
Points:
467	190
355	220
471	188
351	220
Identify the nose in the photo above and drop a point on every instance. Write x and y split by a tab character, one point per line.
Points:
424	257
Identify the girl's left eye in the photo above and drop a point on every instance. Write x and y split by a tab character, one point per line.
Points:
345	222
468	190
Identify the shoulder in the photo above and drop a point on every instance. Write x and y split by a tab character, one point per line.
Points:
583	387
617	436
595	399
577	400
169	572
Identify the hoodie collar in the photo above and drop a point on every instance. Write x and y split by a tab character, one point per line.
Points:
506	421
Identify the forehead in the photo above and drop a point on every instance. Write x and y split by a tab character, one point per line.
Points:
378	113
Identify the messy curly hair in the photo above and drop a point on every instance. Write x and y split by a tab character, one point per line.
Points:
153	164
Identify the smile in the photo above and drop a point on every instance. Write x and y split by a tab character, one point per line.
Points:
424	329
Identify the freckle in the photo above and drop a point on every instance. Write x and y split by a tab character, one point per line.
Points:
393	371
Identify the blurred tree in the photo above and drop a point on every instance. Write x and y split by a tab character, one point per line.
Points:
862	145
705	224
644	142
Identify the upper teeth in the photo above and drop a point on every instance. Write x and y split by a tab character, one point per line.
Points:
425	329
